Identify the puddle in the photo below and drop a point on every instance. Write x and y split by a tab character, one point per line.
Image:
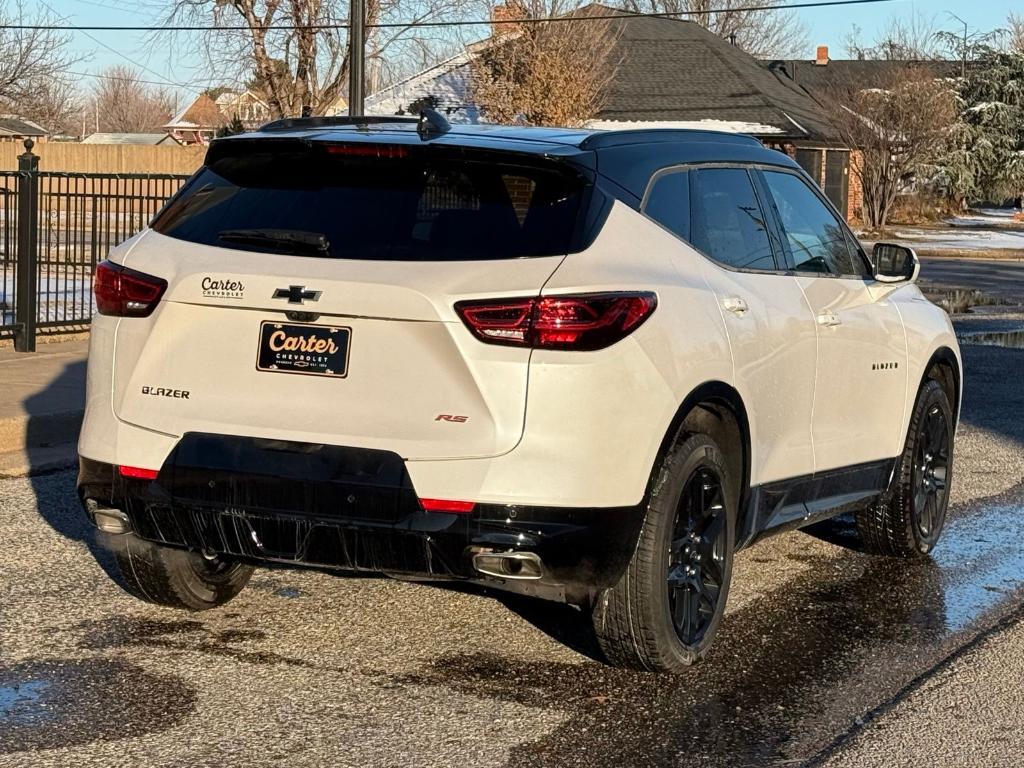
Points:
188	636
15	698
982	560
1010	339
48	704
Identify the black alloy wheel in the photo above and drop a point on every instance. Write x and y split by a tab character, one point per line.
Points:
665	610
929	472
696	567
176	578
907	520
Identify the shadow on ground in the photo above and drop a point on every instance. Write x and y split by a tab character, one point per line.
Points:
54	495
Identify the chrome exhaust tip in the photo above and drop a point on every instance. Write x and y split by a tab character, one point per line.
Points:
509	565
107	519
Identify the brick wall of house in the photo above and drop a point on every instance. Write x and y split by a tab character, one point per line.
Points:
520	191
856	189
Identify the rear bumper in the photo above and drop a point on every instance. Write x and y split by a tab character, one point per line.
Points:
353	509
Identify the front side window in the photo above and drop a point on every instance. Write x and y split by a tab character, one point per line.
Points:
727	222
816	238
669	203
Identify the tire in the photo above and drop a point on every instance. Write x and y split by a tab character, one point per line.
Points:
176	578
639	622
907	520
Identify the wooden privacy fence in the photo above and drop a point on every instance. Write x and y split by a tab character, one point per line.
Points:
58	156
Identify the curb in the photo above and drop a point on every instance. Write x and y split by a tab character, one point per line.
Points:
38	461
21	433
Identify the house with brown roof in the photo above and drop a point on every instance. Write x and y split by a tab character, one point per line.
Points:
823	78
671	73
198	122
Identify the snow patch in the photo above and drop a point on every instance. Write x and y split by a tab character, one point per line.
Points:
708	124
972	240
985	106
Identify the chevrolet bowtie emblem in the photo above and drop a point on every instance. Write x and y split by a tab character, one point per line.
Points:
296	294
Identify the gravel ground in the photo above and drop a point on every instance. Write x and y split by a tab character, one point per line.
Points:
826	655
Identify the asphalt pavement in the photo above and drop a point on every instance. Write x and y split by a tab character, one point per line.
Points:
998	277
827	656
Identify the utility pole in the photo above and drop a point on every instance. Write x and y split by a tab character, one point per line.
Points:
356	56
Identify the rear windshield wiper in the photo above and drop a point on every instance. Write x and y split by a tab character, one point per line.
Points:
299	240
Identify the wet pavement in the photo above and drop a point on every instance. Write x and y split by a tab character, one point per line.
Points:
1012	339
821	646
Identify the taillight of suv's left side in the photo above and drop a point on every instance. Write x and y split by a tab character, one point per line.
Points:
123	292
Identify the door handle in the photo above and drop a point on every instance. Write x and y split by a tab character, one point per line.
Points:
829	319
735	304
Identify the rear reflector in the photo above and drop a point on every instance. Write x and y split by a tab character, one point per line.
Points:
123	292
582	322
442	505
138	472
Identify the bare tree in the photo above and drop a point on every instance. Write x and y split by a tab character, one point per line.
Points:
764	34
291	52
897	127
124	104
53	103
30	58
1015	33
914	37
548	73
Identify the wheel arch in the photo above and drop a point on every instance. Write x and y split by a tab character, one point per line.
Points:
716	409
945	364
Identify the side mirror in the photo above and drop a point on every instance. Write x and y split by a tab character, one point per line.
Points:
895	263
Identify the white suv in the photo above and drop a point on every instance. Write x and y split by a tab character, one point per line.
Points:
579	365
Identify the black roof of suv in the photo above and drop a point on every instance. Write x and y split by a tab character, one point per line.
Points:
629	157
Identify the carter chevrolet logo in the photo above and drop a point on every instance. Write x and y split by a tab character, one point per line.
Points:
296	294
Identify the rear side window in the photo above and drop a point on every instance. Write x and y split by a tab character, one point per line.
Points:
816	239
369	201
727	222
668	202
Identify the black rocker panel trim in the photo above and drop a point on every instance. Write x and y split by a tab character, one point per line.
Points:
797	502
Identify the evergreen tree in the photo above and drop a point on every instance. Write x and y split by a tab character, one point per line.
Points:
986	159
235	126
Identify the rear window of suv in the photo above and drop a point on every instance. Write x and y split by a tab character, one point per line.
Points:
374	201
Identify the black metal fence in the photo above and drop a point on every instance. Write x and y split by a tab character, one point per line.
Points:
54	228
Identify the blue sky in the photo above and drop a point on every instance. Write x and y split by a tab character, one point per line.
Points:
162	62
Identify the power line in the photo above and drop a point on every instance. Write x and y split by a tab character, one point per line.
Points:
192	88
116	52
429	24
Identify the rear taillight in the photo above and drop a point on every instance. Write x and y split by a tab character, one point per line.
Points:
581	322
123	292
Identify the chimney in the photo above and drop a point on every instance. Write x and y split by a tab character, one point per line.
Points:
822	59
511	10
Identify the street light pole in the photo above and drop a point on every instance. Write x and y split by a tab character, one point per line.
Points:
356	56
